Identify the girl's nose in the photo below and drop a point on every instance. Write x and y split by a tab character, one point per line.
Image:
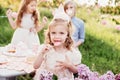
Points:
57	36
34	8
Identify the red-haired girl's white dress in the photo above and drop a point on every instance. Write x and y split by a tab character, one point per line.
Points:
50	62
23	34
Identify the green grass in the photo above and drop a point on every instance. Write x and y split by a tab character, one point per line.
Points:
5	31
101	50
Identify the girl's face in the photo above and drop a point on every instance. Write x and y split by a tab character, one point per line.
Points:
70	10
58	35
31	6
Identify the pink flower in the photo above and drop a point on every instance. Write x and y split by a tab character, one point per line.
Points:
94	76
83	72
104	22
108	76
117	77
118	27
45	75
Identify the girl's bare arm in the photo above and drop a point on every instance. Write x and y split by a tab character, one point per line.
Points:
38	61
40	57
10	18
42	25
73	68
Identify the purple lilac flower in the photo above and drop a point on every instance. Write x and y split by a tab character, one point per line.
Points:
93	76
108	76
117	77
83	72
78	79
45	75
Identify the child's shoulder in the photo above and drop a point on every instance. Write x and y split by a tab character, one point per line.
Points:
75	55
74	52
78	19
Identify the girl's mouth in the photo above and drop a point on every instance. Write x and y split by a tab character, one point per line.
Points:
57	42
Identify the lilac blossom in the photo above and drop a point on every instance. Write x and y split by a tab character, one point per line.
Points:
83	72
117	77
108	76
93	76
45	75
78	79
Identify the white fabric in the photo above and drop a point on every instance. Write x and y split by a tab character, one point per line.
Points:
27	21
60	14
23	34
17	64
50	63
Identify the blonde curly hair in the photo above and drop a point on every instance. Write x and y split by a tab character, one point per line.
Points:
56	22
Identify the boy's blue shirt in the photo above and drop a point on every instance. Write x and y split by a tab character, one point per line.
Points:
79	33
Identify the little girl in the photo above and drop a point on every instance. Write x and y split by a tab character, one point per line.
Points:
26	23
57	56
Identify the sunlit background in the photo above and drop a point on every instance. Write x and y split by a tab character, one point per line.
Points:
101	49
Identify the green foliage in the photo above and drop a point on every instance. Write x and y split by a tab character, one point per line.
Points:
2	11
55	77
111	10
5	31
51	4
25	77
46	12
12	4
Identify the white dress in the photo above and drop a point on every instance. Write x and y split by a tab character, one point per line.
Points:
23	34
50	62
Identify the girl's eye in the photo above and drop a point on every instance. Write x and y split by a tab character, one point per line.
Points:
52	32
71	7
33	6
61	32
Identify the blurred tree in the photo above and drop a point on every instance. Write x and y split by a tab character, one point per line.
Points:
117	1
12	4
50	3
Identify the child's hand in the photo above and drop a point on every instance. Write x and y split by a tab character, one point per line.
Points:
33	30
14	14
46	48
9	13
74	45
44	20
64	64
